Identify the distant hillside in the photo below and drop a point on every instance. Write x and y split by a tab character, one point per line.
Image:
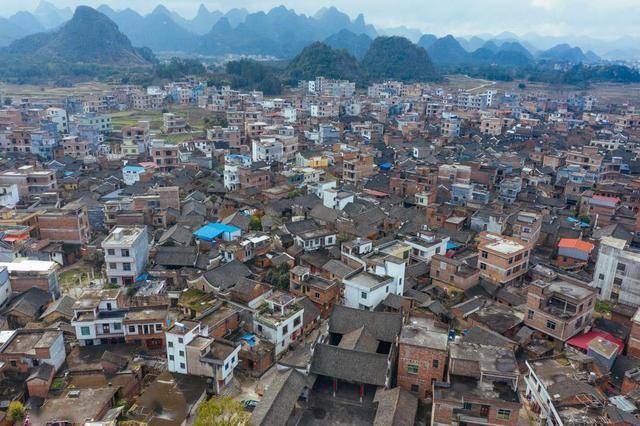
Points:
427	40
356	44
398	58
89	37
447	51
319	59
567	54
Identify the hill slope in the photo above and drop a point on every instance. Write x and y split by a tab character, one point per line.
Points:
356	44
318	59
398	58
89	37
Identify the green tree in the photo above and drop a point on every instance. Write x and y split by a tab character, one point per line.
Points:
255	224
16	412
221	412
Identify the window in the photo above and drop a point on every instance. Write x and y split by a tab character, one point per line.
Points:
415	388
285	329
181	353
170	344
158	327
180	340
126	266
363	295
113	266
601	277
436	363
413	368
111	252
621	267
125	252
579	323
117	326
226	366
171	358
85	331
483	266
530	314
386	289
296	322
551	325
503	414
114	280
182	365
467	406
485	255
132	329
617	282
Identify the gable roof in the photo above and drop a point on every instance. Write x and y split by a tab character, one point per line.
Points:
354	366
280	398
385	326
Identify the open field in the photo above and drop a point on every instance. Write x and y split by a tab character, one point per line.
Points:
50	92
605	92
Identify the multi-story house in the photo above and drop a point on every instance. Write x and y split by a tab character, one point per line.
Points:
559	309
172	123
5	286
30	180
422	357
322	292
587	159
454	273
135	139
526	226
355	170
481	387
145	327
190	350
247	247
425	245
164	155
126	252
503	259
23	349
617	272
559	382
69	224
27	273
380	272
76	148
279	320
267	149
98	317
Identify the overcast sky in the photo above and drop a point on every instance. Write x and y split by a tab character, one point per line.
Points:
598	18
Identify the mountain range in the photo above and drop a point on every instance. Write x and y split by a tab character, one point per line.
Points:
282	33
89	37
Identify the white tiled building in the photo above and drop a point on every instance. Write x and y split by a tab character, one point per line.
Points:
126	252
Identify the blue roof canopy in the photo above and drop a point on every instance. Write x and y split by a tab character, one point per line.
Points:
213	230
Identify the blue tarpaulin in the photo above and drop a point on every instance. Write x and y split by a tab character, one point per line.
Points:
214	230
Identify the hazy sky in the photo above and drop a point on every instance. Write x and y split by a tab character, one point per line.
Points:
598	18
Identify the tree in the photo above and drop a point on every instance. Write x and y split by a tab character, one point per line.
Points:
16	412
255	224
221	412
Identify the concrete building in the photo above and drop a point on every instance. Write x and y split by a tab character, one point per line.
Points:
617	272
30	180
5	285
98	317
559	309
503	259
9	195
165	155
280	321
26	273
526	226
126	252
69	224
172	123
59	117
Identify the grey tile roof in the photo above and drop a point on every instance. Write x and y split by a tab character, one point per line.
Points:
385	326
280	398
354	366
396	407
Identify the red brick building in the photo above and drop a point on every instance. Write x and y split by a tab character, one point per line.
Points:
422	355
